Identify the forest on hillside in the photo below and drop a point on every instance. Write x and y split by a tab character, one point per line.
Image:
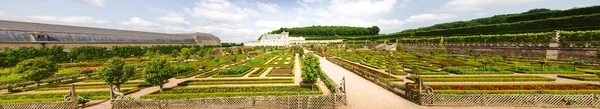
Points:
321	31
533	14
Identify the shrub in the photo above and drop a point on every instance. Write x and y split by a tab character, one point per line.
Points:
237	70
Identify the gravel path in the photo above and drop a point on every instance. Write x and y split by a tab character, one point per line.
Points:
361	93
297	71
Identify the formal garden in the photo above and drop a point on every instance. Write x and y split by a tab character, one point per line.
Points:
48	74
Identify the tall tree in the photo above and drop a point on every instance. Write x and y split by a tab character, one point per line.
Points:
157	72
115	72
36	69
186	53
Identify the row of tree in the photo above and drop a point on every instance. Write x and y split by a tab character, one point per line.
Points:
11	57
533	14
329	31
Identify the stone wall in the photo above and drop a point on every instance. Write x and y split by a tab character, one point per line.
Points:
564	53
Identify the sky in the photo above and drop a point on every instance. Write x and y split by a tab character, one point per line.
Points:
245	20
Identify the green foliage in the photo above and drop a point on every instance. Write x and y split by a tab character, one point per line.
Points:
36	69
127	51
183	68
534	14
310	69
237	70
11	57
440	48
481	78
580	22
82	100
225	44
186	53
158	72
329	31
87	53
115	72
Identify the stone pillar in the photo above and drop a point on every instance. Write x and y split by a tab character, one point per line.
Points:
553	50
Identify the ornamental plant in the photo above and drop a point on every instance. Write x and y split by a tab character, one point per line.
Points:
86	72
157	72
36	69
445	64
115	72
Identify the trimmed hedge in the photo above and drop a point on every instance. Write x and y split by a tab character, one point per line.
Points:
258	72
432	73
516	91
581	77
237	81
206	74
226	91
95	95
549	72
237	75
225	94
481	78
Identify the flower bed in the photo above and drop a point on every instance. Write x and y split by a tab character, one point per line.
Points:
481	78
432	73
549	72
371	71
95	95
258	72
278	72
513	87
178	93
238	81
581	77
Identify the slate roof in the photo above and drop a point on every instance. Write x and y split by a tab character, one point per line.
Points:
13	31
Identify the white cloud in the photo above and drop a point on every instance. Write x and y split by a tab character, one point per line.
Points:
268	7
310	1
96	3
3	14
269	24
476	5
138	22
175	18
220	11
362	8
69	19
429	17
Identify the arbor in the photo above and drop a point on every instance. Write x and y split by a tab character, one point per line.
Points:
36	69
115	72
157	72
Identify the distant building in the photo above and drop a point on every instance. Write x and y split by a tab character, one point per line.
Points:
15	34
283	39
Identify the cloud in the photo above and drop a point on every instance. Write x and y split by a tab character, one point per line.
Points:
268	7
429	17
310	1
220	11
138	22
476	5
269	24
69	19
96	3
362	8
175	18
3	14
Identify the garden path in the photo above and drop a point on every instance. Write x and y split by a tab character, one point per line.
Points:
297	70
253	70
264	74
361	93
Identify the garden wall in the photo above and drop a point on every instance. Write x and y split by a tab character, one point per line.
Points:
529	50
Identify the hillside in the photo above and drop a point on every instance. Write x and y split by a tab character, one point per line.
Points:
533	21
329	31
533	14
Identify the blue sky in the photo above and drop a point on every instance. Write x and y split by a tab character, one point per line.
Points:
245	20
